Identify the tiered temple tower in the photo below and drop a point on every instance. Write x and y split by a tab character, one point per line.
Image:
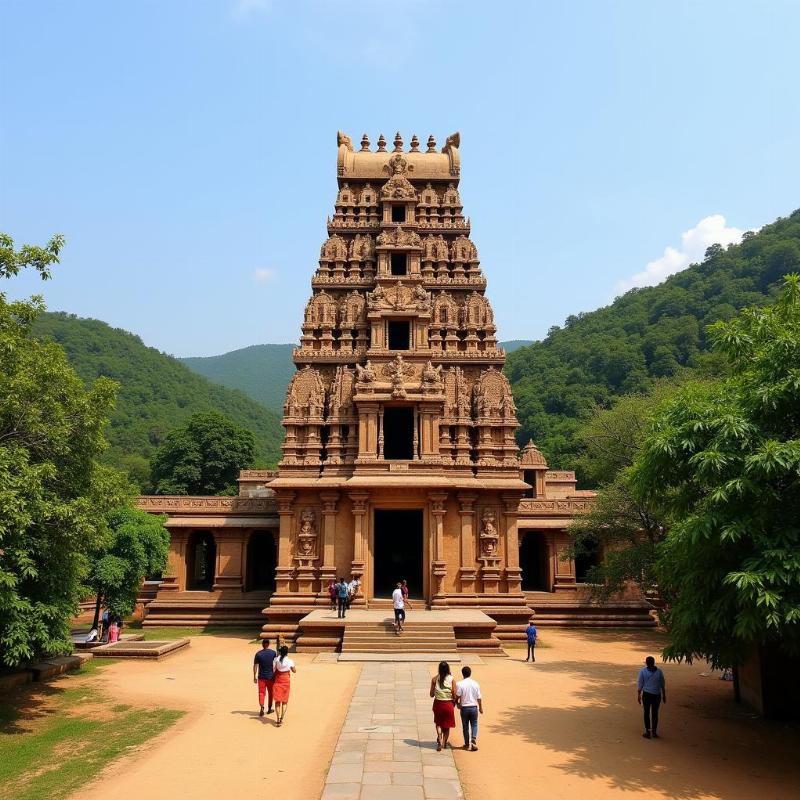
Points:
399	459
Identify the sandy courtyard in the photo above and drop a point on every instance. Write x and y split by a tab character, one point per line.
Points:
566	727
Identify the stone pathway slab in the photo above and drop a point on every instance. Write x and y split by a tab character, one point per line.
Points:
387	747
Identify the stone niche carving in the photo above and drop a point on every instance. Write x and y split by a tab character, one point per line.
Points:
365	374
398	187
429	196
492	395
397	371
362	248
351	310
477	312
432	378
397	237
341	396
307	535
435	248
334	249
457	394
399	298
321	311
305	395
463	251
445	311
488	536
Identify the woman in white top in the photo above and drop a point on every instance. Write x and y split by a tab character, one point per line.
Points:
443	692
280	691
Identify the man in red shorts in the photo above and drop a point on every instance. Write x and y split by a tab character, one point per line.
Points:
264	674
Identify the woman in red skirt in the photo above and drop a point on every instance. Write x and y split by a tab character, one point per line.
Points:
280	691
443	692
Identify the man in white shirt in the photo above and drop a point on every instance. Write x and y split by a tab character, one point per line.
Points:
468	695
399	604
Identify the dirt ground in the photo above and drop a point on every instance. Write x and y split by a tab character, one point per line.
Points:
569	727
221	748
566	727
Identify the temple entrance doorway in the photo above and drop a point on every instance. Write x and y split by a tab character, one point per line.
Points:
533	562
201	561
398	551
261	562
398	433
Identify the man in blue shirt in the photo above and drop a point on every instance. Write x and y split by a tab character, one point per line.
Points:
264	674
651	689
342	594
530	632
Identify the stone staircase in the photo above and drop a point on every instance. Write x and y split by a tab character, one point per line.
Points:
417	637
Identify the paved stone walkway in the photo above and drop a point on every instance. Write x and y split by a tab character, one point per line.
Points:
387	747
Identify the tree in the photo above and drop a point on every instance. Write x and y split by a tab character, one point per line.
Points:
724	458
54	494
136	547
625	527
203	457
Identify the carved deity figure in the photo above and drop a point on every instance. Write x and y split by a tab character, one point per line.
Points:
365	374
376	299
422	298
306	538
342	139
431	376
398	371
488	535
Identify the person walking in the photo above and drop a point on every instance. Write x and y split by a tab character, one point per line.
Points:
399	604
531	633
443	692
332	594
283	666
468	695
264	674
651	691
341	597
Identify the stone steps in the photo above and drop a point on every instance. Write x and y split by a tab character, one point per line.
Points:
380	637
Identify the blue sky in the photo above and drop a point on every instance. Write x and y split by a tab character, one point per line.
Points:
187	149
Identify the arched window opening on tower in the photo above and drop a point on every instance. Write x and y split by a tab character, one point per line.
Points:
399	264
398	213
398	433
399	335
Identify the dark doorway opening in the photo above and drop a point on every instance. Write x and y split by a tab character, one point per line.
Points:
529	476
261	562
399	264
585	560
398	213
399	335
398	551
398	433
533	562
201	557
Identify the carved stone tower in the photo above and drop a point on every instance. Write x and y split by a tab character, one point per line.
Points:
399	459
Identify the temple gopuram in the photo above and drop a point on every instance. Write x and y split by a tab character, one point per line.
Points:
399	459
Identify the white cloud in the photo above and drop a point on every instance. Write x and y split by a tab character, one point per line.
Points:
241	9
694	242
264	274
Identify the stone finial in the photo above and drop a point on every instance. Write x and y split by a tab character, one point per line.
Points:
414	144
398	143
531	456
431	145
365	143
381	144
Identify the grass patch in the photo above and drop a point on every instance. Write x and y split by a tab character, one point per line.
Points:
62	733
168	633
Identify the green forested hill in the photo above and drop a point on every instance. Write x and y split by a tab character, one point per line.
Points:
645	334
156	392
261	371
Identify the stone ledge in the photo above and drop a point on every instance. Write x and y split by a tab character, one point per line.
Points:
49	668
142	650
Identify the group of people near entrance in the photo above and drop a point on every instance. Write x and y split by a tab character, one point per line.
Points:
342	593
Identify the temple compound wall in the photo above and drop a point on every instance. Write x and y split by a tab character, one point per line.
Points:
399	458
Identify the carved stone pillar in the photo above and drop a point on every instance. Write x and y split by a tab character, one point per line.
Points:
367	432
510	514
307	551
564	564
438	508
327	571
175	577
467	571
230	561
284	571
359	508
488	542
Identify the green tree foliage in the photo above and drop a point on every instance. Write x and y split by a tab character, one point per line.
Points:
644	335
724	457
626	527
156	393
135	547
203	457
54	495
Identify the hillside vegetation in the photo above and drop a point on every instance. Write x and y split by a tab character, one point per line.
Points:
644	335
261	371
156	392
